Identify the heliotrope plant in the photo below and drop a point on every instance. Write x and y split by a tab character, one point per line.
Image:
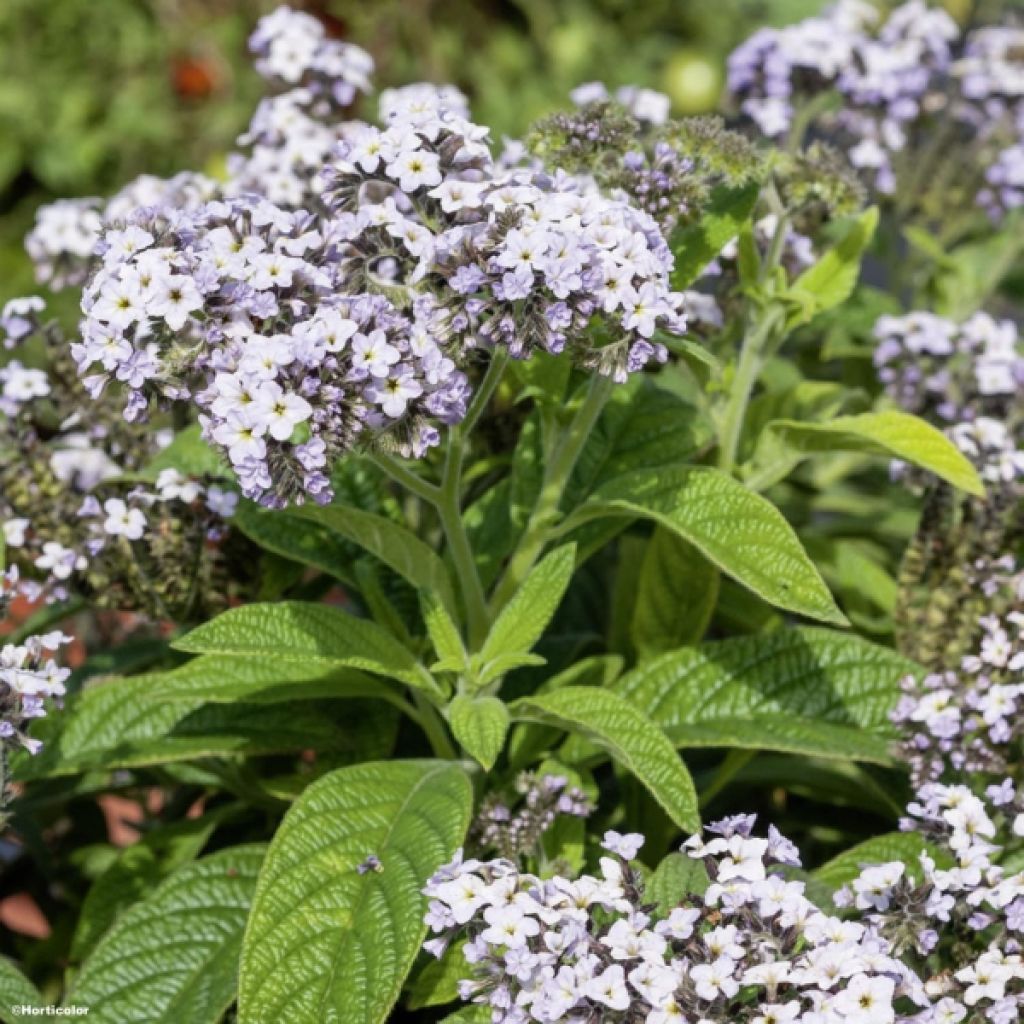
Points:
451	528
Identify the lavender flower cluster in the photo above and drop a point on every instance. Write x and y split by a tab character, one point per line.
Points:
752	948
910	85
29	677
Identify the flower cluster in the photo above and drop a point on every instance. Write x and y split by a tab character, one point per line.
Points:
751	948
68	513
29	677
515	828
911	87
961	919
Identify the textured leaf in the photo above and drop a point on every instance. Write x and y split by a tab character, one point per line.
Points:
480	724
299	540
643	426
326	944
444	634
189	454
833	278
739	531
696	245
438	982
117	724
676	595
886	433
397	547
904	846
469	1015
625	733
15	990
174	956
523	620
223	678
298	631
806	691
674	878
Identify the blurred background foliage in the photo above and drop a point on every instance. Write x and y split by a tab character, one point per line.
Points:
95	92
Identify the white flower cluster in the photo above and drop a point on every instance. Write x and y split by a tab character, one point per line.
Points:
752	948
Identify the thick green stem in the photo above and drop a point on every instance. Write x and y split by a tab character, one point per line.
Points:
393	468
433	726
546	512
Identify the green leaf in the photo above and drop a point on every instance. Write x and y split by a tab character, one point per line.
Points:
324	941
438	982
189	454
676	595
470	1015
296	539
804	691
643	426
628	735
739	531
523	620
888	433
304	632
676	877
903	846
117	724
15	990
480	724
174	956
696	245
444	634
833	278
397	547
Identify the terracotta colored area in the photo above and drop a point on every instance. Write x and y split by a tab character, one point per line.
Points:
20	913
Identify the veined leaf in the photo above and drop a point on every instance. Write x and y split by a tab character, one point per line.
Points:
739	531
298	631
696	245
832	279
628	735
174	956
676	877
470	1015
397	547
444	634
805	691
888	433
299	540
438	982
189	454
523	620
480	724
903	846
676	595
15	990
326	942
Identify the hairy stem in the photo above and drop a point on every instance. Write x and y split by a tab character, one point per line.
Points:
545	514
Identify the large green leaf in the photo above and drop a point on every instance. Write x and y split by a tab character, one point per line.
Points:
299	631
696	245
628	735
15	990
888	433
739	531
833	278
398	548
480	724
327	942
806	691
675	597
117	724
677	876
174	956
523	620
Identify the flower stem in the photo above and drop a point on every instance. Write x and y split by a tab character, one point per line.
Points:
545	514
432	725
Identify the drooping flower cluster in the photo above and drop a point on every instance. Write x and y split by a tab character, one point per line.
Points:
956	915
751	948
919	104
515	828
79	512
